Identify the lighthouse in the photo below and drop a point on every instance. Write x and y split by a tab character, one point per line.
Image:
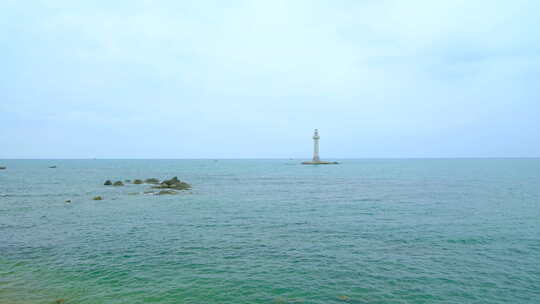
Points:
316	158
316	138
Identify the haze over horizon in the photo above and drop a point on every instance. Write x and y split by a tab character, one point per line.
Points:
252	79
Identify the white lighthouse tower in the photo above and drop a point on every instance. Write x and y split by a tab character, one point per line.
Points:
316	158
316	138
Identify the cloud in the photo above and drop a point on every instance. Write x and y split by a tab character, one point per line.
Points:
360	69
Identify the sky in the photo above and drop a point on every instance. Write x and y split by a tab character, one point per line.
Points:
252	79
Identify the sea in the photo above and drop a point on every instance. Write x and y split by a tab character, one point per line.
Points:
271	231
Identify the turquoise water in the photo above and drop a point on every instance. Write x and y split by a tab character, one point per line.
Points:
272	231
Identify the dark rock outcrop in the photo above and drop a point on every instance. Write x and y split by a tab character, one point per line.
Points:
173	183
3	167
151	181
168	186
98	198
52	167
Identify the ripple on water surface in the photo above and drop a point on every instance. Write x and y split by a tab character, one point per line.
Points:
272	231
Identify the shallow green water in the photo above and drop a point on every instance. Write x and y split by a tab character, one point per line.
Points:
272	231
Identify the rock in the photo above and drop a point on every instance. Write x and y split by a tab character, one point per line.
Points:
98	198
173	183
118	183
52	167
133	193
108	183
68	201
151	181
3	167
149	192
180	186
137	182
162	192
127	181
60	301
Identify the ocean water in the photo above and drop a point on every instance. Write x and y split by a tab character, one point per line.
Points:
272	231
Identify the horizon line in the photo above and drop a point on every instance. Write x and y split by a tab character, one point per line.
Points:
286	158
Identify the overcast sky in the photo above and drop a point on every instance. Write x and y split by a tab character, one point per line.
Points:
252	79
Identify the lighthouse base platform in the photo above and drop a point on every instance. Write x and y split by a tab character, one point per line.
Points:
320	162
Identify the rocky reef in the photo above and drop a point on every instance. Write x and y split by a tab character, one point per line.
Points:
168	186
3	167
173	183
320	162
163	192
